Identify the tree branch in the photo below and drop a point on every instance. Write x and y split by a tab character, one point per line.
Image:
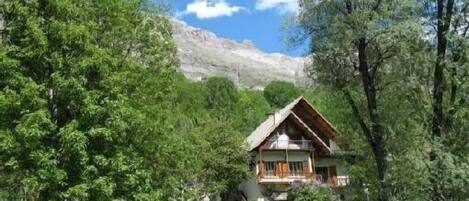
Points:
358	116
348	5
443	24
377	5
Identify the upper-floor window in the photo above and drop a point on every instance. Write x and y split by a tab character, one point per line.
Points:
296	168
323	174
270	168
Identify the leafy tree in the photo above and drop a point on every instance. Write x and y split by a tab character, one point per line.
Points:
378	55
280	93
450	19
252	109
224	157
75	76
92	109
207	157
355	46
221	93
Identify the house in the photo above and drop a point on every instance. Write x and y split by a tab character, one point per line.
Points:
295	145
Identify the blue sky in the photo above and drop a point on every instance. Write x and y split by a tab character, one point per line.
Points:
259	21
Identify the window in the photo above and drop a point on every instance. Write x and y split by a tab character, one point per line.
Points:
342	197
270	168
323	174
296	168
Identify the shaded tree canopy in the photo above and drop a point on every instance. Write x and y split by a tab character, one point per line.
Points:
221	93
280	93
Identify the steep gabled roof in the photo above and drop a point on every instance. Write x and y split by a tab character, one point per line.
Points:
264	130
310	133
269	125
322	122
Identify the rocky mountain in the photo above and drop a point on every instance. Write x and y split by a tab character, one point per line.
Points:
203	54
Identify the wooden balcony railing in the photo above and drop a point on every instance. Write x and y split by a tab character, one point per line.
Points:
316	179
279	174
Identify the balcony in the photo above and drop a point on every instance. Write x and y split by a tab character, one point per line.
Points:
302	177
305	178
287	144
336	181
286	177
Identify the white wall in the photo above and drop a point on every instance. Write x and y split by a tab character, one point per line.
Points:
251	189
271	156
280	156
333	145
298	156
327	162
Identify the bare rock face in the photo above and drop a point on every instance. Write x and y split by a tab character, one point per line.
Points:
203	55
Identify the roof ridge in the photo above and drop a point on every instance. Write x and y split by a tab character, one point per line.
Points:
267	126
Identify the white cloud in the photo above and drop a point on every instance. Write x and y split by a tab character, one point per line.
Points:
205	9
284	6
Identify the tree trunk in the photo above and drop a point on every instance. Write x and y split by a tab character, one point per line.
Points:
382	168
377	133
438	132
438	76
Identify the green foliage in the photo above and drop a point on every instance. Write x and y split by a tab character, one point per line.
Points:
252	109
221	93
91	108
70	122
207	155
280	93
389	39
308	193
224	167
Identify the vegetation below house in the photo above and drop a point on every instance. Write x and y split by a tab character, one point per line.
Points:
306	193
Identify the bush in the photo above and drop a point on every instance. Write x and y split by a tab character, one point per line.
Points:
307	193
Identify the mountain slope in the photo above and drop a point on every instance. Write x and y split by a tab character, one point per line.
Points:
203	54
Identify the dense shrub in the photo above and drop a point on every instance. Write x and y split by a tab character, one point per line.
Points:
308	193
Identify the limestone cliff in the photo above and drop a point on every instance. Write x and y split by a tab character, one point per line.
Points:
203	54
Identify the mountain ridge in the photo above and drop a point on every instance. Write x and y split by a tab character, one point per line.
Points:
203	54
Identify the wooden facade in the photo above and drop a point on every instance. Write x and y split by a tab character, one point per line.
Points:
295	145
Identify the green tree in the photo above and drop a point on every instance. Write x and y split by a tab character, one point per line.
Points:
76	82
252	109
356	45
222	152
450	19
204	155
222	93
378	55
280	93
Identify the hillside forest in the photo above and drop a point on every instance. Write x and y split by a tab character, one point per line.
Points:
93	107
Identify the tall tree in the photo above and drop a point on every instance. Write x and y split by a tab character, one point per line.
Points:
355	44
221	93
444	15
75	83
450	19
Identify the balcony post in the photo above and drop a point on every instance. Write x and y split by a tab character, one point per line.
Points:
287	167
313	166
261	163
